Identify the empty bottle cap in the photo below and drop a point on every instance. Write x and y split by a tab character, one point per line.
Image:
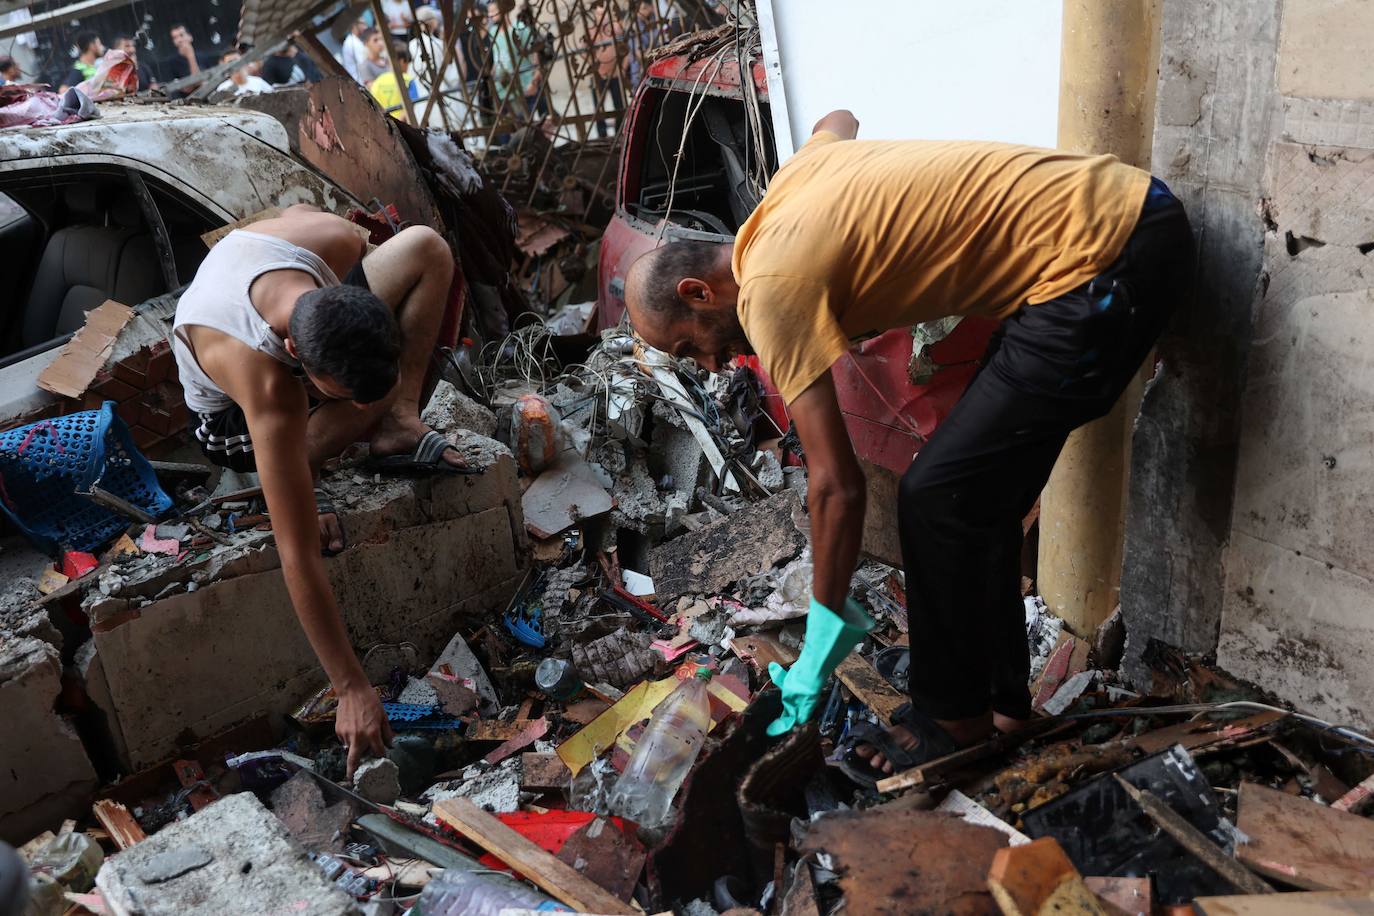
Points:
704	673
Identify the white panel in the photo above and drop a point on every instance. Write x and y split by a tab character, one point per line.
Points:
917	69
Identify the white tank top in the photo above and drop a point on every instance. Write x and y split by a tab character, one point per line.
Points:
218	298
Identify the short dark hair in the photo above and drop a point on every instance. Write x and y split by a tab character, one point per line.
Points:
348	334
7	63
369	32
85	39
667	265
399	51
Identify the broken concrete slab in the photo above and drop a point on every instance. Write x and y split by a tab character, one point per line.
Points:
45	774
458	661
709	560
427	555
231	857
300	805
449	409
565	494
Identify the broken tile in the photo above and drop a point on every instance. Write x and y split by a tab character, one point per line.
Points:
565	494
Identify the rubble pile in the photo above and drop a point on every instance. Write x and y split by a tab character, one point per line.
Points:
600	745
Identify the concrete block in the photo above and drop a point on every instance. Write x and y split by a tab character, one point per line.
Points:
379	781
231	857
1324	49
1301	628
451	410
45	775
233	649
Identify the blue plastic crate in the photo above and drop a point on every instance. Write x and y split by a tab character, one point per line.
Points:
45	466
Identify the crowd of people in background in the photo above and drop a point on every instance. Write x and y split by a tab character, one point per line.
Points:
496	72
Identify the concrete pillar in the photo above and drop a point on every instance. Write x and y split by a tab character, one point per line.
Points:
1108	73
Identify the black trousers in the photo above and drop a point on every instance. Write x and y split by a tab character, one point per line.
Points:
1049	369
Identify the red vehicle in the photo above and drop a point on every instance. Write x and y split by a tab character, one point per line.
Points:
891	402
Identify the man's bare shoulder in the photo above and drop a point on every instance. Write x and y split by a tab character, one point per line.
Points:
252	379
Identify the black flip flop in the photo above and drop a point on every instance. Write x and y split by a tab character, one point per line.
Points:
427	458
324	505
932	743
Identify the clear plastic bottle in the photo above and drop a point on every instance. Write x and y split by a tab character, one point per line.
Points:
471	893
664	755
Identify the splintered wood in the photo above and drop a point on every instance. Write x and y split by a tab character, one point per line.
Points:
555	877
124	831
864	681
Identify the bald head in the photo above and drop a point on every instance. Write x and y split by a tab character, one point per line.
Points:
681	298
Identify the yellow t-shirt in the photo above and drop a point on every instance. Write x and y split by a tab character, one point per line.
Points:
385	90
859	236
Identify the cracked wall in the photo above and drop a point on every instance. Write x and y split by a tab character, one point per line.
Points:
1249	524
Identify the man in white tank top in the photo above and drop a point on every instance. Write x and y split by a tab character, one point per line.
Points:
265	325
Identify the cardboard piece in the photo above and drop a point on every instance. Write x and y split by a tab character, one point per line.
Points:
85	354
212	238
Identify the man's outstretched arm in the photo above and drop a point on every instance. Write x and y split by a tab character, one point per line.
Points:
276	415
836	491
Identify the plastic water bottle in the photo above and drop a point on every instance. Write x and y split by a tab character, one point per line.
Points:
470	893
664	755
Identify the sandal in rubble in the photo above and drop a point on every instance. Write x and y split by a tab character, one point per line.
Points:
932	743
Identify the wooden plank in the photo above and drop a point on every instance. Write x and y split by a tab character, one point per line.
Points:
961	760
1199	734
124	831
1195	841
864	681
1326	903
494	730
1038	879
1303	843
556	878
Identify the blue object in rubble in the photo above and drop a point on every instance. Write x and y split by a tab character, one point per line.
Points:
45	467
418	715
525	625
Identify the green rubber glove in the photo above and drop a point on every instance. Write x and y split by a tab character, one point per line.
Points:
829	638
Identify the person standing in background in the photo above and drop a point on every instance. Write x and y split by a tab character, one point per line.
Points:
387	91
240	81
427	54
187	60
607	49
643	36
9	70
375	64
145	76
89	49
398	18
354	51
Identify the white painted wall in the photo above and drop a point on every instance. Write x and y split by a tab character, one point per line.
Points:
915	69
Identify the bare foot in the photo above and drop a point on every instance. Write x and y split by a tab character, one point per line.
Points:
398	435
965	732
900	734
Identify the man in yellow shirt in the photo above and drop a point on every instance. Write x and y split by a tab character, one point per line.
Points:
1083	259
386	90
